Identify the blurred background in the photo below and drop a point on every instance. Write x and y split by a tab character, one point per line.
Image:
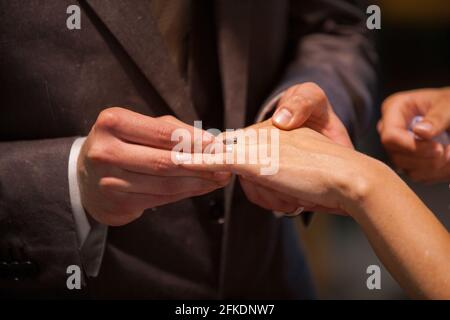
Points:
414	48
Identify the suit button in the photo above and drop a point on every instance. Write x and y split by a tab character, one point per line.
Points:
216	211
5	270
18	270
15	270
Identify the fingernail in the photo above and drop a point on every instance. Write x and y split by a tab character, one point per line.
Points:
283	117
424	126
183	157
291	214
296	212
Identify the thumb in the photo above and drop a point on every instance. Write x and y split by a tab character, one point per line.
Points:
435	121
297	105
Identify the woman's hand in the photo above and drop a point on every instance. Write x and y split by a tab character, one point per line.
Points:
423	159
405	235
316	171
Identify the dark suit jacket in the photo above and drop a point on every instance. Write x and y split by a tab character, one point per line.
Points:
54	82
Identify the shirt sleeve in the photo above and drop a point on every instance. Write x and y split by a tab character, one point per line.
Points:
91	235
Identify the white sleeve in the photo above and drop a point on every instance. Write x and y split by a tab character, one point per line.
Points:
91	235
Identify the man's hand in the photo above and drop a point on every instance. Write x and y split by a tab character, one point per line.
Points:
303	105
420	157
125	167
306	105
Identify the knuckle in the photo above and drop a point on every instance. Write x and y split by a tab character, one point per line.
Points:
315	88
109	118
100	155
163	133
162	165
167	117
107	185
391	100
96	155
388	102
311	86
316	96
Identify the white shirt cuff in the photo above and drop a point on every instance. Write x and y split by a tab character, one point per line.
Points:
91	238
82	224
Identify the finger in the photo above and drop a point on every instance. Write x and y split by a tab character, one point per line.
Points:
266	199
435	121
144	160
427	176
131	182
335	130
398	111
333	211
253	181
140	129
269	191
412	163
145	201
234	160
295	107
399	140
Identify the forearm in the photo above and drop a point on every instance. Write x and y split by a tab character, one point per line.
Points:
35	213
338	56
406	236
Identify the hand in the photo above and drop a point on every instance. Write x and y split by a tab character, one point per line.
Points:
301	105
125	167
306	105
422	159
318	173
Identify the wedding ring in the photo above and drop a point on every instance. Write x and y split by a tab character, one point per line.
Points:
230	141
295	213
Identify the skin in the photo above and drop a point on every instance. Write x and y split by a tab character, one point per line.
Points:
405	235
125	167
309	107
422	159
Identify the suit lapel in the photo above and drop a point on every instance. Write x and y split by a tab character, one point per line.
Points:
133	26
234	44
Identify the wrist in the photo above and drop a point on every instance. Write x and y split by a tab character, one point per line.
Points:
365	181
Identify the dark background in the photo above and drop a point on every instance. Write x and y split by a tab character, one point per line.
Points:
414	49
